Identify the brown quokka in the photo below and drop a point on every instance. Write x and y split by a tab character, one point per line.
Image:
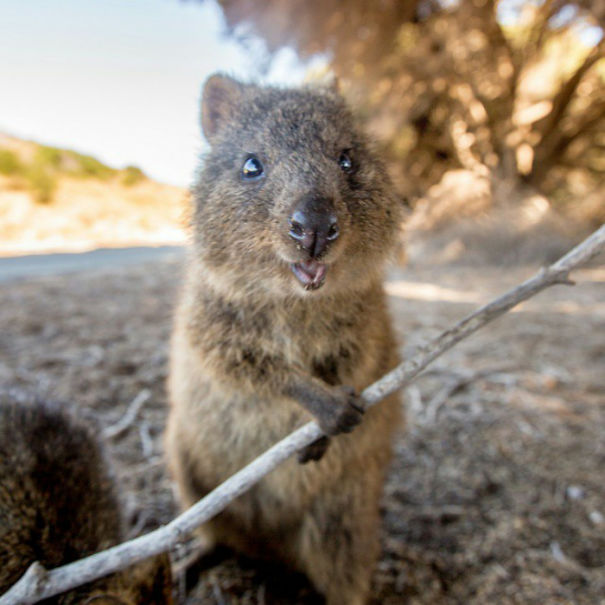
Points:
58	504
282	320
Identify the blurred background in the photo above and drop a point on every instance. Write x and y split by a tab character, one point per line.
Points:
491	114
99	130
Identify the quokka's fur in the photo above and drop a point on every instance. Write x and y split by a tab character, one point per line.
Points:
58	504
258	349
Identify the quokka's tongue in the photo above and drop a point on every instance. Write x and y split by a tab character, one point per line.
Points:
311	274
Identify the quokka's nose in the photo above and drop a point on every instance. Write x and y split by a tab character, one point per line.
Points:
314	225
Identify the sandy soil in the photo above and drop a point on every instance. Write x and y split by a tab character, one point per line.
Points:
86	214
497	491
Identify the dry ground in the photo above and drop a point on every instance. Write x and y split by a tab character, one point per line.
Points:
497	490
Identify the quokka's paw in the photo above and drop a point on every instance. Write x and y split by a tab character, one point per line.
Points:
315	451
341	412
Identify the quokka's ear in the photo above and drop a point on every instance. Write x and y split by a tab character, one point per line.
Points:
220	98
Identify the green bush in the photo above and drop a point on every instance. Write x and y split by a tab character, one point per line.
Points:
41	172
89	167
42	183
49	157
131	175
9	163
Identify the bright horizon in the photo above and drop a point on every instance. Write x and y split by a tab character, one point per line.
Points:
121	80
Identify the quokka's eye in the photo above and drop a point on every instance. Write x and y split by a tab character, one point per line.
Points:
252	168
345	162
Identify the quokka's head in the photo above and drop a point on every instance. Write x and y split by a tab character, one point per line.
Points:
290	198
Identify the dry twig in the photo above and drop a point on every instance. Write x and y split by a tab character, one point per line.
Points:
37	583
455	382
129	417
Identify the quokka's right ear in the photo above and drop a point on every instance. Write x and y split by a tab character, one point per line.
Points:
220	98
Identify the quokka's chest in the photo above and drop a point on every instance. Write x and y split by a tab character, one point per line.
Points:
330	340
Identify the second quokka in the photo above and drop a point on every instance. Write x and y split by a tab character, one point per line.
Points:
58	503
282	320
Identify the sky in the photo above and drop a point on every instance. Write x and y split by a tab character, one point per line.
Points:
121	79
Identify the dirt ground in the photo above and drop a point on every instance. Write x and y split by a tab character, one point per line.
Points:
497	491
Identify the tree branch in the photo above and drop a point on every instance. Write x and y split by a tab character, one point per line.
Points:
590	120
555	147
554	142
567	90
37	583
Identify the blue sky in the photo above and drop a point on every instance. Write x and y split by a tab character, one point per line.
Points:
120	79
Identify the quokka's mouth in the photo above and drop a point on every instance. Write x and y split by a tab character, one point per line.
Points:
311	274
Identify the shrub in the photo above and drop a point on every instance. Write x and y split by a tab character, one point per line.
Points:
9	163
131	175
87	166
49	157
41	182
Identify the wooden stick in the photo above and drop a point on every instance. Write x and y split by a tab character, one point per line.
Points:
129	417
38	583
